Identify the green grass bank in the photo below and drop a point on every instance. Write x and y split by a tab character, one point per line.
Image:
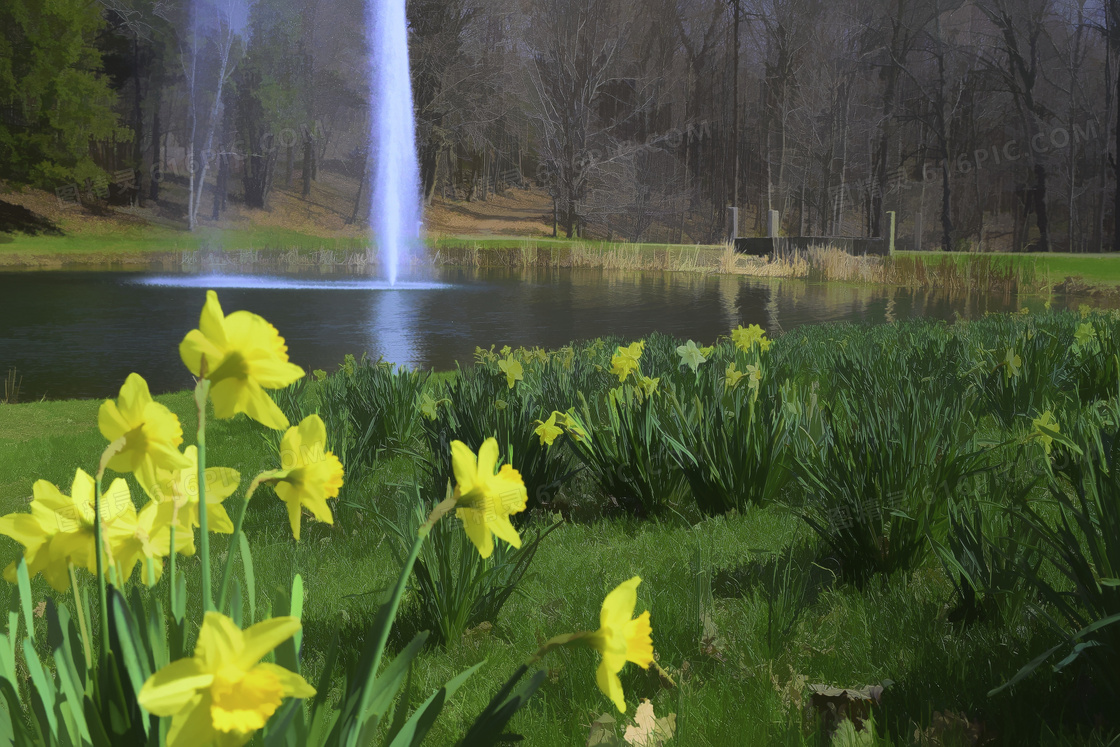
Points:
813	547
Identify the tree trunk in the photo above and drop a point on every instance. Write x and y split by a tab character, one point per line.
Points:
1040	212
1116	171
157	164
308	157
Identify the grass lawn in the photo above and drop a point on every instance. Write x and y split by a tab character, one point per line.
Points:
740	644
1093	269
154	239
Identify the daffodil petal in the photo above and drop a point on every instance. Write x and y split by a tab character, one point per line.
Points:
170	689
464	465
619	605
263	637
294	685
193	725
607	680
219	640
474	524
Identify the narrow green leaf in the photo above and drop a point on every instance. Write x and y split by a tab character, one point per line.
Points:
250	575
385	687
131	647
297	608
25	598
44	684
425	716
236	613
72	686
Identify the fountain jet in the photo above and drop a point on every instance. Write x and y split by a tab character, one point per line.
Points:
395	177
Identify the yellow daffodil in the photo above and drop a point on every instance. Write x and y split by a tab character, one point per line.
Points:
621	639
548	430
59	529
1083	310
513	371
691	355
180	488
732	376
647	385
626	360
224	693
27	530
1045	421
428	406
1084	335
572	426
150	543
754	377
151	432
1011	364
244	355
309	473
486	500
746	337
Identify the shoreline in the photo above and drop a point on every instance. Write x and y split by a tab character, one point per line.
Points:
1096	276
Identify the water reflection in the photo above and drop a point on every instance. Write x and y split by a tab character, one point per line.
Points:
79	334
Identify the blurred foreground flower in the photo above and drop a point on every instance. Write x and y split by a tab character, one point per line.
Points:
224	693
244	355
484	500
59	529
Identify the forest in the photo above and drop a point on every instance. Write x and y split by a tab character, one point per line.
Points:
985	125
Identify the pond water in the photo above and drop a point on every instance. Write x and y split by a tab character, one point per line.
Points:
80	333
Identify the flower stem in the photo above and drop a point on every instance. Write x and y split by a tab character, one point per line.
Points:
390	609
99	545
83	624
234	539
171	571
200	393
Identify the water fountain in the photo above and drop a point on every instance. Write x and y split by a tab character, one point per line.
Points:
395	177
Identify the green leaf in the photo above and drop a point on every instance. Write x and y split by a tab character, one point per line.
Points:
58	625
384	689
25	598
297	608
425	716
250	575
489	727
44	684
131	646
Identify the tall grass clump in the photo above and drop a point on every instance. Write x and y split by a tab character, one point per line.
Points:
896	451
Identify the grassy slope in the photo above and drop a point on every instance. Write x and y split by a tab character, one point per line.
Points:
727	692
156	239
152	239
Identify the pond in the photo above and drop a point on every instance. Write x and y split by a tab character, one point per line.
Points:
76	334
